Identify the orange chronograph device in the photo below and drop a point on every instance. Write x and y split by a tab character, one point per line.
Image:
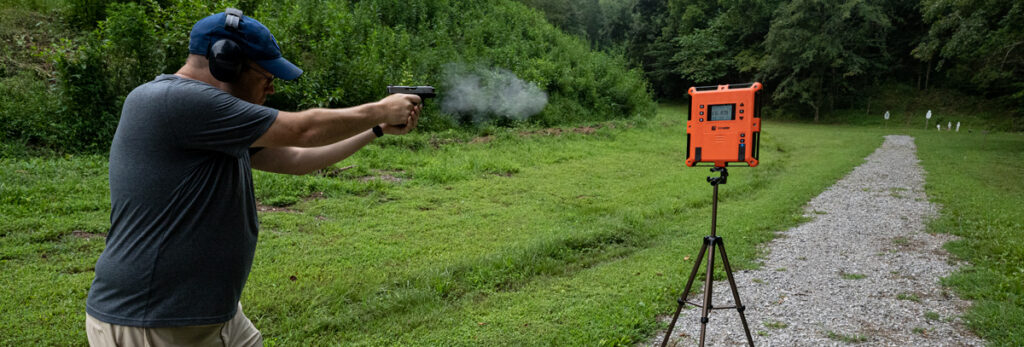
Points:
724	124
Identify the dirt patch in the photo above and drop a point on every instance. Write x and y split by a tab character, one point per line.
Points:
585	130
86	235
334	172
384	175
316	196
438	142
267	208
484	139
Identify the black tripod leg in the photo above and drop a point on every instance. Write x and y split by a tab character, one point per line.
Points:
708	284
735	293
682	298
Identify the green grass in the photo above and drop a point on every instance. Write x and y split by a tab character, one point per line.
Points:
527	239
46	268
977	180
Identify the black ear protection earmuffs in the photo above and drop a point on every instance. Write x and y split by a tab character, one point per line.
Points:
227	60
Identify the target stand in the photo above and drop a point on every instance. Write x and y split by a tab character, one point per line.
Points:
712	241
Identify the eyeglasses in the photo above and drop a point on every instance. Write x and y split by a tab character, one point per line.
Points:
267	75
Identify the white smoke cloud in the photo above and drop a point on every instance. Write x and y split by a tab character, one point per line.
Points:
488	93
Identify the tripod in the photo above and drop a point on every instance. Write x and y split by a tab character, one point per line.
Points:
710	241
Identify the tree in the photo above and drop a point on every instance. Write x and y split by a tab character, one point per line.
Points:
731	47
979	44
564	14
908	30
647	46
818	48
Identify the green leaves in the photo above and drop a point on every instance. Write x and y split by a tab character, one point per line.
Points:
349	50
976	43
352	51
820	49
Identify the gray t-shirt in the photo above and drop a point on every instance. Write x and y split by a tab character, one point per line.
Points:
183	213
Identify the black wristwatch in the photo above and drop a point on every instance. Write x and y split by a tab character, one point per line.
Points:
378	131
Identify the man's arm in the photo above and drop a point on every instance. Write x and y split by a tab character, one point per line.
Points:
320	127
301	161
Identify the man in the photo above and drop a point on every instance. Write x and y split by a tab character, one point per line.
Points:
183	213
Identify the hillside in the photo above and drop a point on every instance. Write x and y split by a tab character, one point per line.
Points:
69	99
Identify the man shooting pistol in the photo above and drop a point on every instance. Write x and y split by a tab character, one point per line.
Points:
424	92
184	221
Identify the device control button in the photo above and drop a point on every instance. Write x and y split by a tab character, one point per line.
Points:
741	104
742	140
700	119
743	134
701	106
701	113
741	111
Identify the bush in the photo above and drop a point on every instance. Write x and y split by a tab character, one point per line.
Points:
350	51
27	114
96	77
130	47
84	14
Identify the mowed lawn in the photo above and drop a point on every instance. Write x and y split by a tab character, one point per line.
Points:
576	236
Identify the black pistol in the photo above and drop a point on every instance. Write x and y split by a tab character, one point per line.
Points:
425	92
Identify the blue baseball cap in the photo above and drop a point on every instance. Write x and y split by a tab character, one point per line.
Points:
255	39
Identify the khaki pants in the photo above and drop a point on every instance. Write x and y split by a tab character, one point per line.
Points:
238	331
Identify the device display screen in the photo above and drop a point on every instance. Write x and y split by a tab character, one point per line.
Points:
722	112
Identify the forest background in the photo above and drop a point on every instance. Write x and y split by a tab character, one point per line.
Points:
66	66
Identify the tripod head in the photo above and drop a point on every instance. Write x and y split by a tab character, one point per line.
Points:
720	179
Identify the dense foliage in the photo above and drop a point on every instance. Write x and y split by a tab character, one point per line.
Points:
350	51
814	56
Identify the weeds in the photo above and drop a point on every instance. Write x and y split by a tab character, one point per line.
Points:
851	276
848	338
909	297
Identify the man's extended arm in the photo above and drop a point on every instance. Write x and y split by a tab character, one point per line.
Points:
301	161
320	127
301	158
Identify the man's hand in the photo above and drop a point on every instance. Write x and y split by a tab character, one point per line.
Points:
399	109
410	123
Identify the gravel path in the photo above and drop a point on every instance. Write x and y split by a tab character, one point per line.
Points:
863	271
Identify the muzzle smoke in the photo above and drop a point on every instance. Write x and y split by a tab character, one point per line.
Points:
485	94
